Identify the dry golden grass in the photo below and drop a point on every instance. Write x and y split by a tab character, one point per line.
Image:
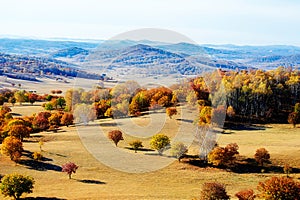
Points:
94	180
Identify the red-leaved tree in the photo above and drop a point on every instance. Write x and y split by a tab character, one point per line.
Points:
115	136
69	168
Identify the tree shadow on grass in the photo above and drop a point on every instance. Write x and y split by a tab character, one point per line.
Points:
242	166
90	181
108	124
241	126
38	165
185	120
139	149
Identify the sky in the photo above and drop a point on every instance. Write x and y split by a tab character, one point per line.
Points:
240	22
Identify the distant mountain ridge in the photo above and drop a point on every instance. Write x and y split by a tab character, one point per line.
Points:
152	57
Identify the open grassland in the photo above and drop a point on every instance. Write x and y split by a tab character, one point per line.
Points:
95	180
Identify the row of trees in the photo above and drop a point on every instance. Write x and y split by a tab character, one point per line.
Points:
14	130
159	142
273	188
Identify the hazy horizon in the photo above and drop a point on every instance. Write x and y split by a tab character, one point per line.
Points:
271	22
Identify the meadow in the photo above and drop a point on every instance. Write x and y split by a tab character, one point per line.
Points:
178	180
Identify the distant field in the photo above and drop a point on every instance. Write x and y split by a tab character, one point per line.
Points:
94	180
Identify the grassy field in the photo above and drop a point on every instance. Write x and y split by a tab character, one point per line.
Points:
95	180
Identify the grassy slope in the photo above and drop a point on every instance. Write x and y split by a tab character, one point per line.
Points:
177	181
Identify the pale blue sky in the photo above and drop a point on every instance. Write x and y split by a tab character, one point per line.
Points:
204	21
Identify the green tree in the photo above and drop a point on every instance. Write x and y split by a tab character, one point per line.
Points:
20	96
14	185
159	142
61	102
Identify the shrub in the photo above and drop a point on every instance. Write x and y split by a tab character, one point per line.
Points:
159	142
223	155
49	106
171	111
178	150
213	191
14	185
69	168
245	195
136	144
37	156
115	136
262	156
12	147
277	188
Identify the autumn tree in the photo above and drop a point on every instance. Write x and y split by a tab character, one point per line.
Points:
67	119
171	111
223	155
213	191
293	118
136	144
19	128
32	97
178	150
14	185
12	147
246	195
230	112
69	168
40	121
262	156
115	136
159	142
279	188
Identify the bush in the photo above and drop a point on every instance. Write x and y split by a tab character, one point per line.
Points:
37	156
14	185
136	144
178	150
245	195
171	111
261	156
69	168
159	142
277	188
213	191
223	155
115	136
